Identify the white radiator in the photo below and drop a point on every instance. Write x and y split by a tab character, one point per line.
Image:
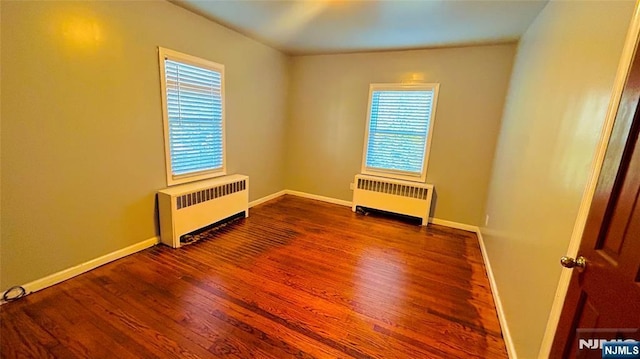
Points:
191	206
403	197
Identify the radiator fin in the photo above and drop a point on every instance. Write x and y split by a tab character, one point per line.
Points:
392	188
209	194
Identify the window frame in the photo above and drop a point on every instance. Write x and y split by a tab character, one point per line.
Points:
396	174
164	53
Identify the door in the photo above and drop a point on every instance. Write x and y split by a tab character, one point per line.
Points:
603	300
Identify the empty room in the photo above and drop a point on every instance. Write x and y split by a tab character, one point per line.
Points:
319	179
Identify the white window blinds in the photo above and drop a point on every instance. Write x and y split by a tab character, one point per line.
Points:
400	120
194	118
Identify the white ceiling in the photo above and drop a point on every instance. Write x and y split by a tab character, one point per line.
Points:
329	26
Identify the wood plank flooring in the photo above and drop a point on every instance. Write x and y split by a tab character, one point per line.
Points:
297	279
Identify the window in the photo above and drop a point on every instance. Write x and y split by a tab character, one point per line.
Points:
398	134
193	113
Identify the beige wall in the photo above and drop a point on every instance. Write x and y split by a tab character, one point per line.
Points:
558	97
82	144
328	107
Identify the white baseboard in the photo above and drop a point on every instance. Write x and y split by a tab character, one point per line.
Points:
340	202
456	225
68	273
506	334
267	198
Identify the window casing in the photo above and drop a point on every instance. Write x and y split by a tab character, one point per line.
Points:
193	115
399	130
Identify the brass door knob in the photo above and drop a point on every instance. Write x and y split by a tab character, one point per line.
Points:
568	262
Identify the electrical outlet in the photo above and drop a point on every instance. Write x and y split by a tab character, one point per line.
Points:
351	186
486	220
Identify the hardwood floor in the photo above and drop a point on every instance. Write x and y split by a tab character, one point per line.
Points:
297	279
